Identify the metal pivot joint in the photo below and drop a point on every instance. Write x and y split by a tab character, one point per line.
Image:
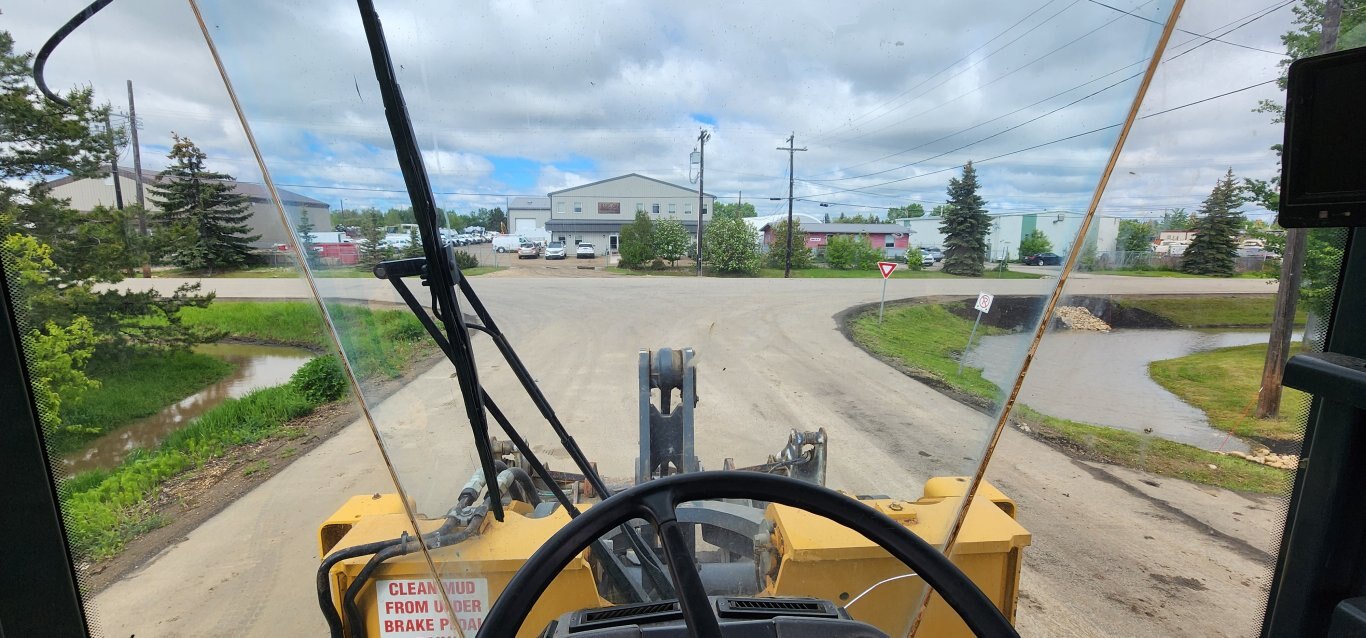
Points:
666	430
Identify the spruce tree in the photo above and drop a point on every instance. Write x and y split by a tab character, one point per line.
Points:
307	240
1216	226
203	220
965	226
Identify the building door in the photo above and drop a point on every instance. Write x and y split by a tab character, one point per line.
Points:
612	243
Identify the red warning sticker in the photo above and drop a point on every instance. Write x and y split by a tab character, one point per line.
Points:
410	608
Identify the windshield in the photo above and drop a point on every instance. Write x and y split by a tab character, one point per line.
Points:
831	244
761	356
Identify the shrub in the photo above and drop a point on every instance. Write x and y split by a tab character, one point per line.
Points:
465	261
731	247
320	380
914	259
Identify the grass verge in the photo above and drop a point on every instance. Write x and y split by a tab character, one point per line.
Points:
1179	275
924	338
133	387
1156	455
104	509
928	338
1211	311
290	272
377	342
1223	383
828	273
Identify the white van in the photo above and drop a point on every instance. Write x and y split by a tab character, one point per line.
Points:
507	243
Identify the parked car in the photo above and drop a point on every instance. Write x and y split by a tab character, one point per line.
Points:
554	250
585	251
1043	259
926	259
528	251
936	253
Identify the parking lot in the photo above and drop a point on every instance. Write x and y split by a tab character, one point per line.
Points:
570	266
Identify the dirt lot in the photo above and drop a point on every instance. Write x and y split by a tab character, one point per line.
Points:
1115	553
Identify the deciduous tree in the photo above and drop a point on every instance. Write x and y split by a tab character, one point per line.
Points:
731	247
777	252
671	240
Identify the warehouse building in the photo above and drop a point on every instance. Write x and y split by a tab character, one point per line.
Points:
596	212
86	194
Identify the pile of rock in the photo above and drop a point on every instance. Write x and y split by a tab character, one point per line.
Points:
1079	318
1268	458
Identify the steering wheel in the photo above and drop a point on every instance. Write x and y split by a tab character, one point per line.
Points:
657	500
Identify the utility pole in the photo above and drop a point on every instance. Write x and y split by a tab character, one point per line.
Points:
702	137
1292	267
791	154
114	162
137	177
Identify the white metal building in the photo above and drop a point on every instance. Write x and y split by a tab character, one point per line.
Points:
86	194
527	214
1008	229
596	212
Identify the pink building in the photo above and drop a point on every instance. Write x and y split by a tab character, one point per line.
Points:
891	239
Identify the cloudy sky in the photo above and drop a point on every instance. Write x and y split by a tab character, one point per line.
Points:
522	98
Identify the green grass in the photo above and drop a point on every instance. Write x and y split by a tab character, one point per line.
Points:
133	387
105	508
1223	383
1212	311
1176	274
1159	456
377	342
290	272
927	338
828	273
294	323
667	272
901	272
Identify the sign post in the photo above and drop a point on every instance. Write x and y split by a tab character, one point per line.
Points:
983	306
886	267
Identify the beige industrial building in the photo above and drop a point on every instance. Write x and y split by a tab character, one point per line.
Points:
86	194
596	212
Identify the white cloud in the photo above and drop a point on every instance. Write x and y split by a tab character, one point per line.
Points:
582	93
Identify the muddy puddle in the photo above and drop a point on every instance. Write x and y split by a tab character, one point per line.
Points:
258	366
1102	378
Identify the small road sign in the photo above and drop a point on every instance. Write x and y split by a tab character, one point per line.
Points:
886	267
983	301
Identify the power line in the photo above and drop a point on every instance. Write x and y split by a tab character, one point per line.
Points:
1147	19
1254	16
822	135
1037	146
993	81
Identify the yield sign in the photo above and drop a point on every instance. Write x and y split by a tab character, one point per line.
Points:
886	267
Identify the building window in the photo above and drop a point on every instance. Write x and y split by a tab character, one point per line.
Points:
687	209
654	208
891	241
640	207
578	207
560	208
578	240
671	208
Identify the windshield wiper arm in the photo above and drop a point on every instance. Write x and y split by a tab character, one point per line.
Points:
442	271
